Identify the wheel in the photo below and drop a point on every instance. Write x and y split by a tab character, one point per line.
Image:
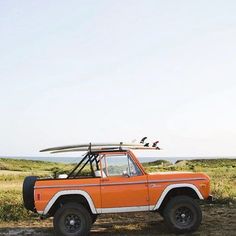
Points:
72	219
182	214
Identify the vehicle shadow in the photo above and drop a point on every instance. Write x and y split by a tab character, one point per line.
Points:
130	228
103	229
131	224
97	230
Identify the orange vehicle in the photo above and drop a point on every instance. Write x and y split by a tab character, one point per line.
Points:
110	179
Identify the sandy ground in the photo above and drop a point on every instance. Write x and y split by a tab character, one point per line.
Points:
217	220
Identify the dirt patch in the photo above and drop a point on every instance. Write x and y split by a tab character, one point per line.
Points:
218	220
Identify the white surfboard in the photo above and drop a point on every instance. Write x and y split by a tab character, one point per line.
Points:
87	145
104	148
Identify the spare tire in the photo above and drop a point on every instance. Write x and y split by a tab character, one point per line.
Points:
28	192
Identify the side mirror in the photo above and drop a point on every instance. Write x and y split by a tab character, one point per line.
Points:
125	173
62	176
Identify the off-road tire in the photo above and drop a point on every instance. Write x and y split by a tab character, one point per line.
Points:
72	219
182	214
28	192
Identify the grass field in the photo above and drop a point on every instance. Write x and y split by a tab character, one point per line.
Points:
12	173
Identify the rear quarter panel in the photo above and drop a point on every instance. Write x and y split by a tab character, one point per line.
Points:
45	190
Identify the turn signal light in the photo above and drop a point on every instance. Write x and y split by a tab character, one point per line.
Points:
38	196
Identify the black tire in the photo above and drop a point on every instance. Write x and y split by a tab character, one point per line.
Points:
28	192
72	219
182	214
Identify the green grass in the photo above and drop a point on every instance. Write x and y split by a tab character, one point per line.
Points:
28	165
12	173
11	207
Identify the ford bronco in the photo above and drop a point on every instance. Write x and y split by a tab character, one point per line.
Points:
110	179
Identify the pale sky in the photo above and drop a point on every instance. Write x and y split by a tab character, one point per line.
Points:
101	71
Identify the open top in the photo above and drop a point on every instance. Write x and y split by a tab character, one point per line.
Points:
105	164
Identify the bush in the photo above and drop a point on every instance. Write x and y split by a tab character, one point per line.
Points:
11	207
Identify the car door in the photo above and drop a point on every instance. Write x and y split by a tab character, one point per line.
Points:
123	185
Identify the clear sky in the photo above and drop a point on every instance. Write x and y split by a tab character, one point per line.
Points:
81	71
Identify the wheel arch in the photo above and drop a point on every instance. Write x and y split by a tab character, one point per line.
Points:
63	197
176	190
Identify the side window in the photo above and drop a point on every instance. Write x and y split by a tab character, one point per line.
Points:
116	165
119	165
134	170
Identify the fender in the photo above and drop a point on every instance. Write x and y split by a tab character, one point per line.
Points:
69	192
173	186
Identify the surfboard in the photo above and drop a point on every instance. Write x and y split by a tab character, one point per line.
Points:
100	149
87	145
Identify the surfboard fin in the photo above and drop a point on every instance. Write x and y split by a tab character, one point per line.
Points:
155	144
143	139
